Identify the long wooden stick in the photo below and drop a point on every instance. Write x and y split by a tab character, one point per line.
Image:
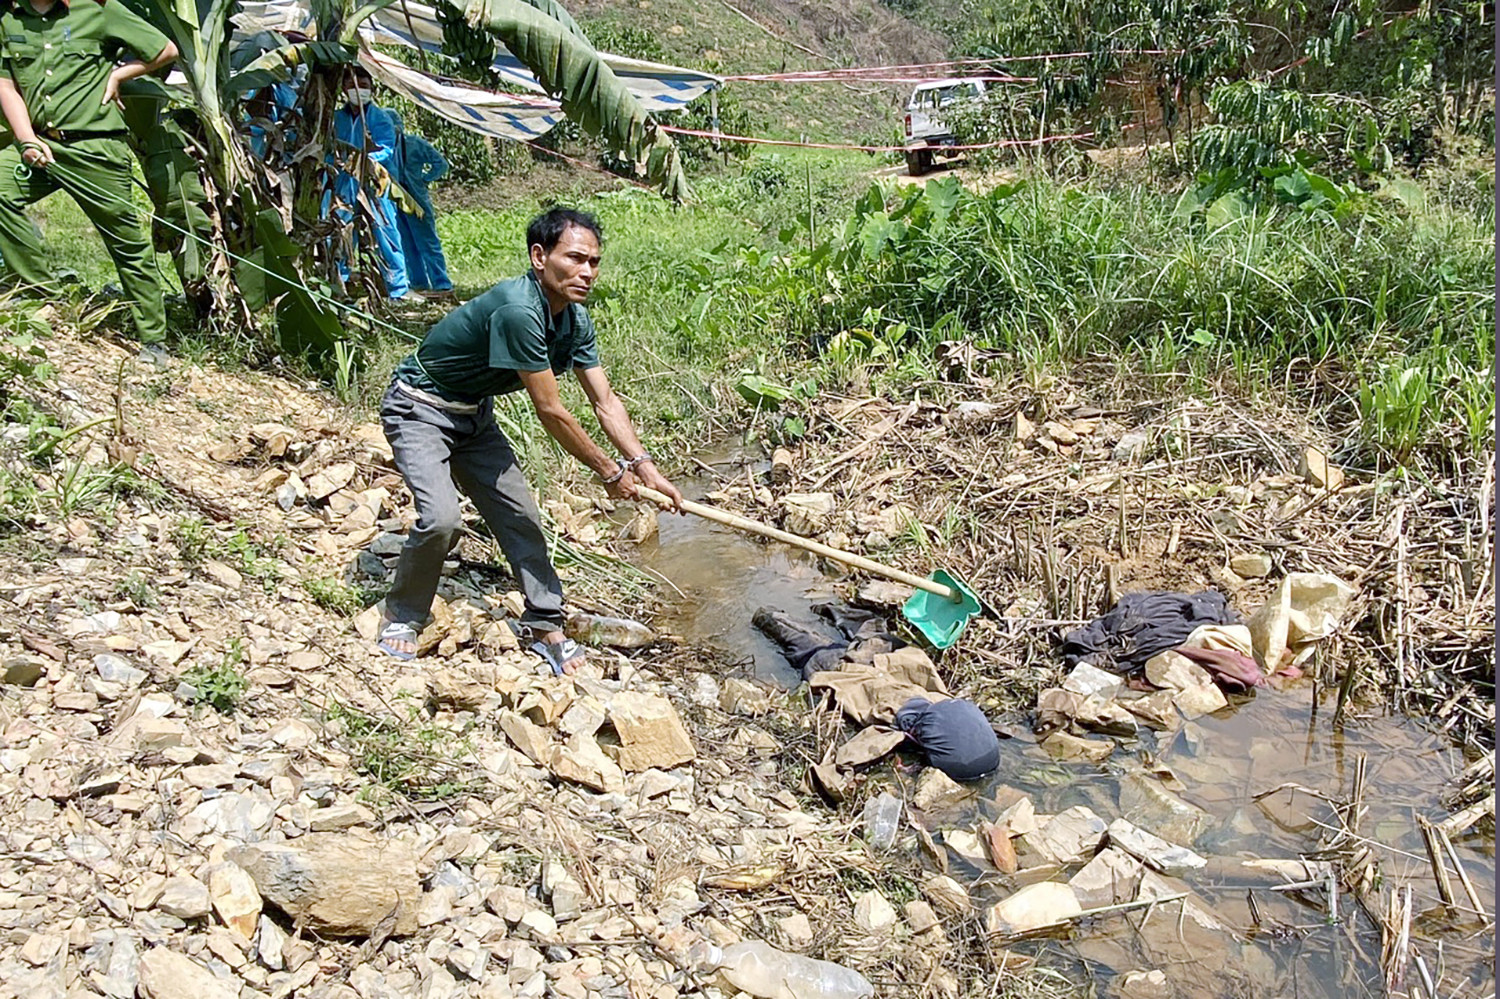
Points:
807	544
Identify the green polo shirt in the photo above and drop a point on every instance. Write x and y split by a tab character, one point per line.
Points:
61	60
476	350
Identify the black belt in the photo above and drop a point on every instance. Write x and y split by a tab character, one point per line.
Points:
66	135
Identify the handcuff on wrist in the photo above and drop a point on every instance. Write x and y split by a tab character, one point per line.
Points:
629	465
23	169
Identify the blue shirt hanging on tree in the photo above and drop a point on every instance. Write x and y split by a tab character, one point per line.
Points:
421	165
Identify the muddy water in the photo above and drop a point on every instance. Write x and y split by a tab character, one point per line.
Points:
1222	762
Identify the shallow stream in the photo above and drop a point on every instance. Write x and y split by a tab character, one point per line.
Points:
1222	761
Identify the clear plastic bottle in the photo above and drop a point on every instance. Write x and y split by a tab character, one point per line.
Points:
761	970
595	629
882	820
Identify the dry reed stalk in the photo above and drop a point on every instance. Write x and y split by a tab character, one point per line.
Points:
1395	928
1463	875
1435	859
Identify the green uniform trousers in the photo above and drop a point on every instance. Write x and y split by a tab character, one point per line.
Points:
182	227
96	172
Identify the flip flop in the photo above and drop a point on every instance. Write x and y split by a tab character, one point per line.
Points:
395	631
558	654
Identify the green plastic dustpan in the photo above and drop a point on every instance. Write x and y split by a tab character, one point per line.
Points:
942	619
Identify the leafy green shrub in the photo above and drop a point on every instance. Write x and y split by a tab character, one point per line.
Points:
220	686
340	597
1259	128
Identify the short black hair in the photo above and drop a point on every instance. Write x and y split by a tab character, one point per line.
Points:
547	228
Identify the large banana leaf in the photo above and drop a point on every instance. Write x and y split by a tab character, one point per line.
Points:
555	10
203	59
277	65
569	68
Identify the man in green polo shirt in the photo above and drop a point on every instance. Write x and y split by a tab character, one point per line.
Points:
438	416
60	74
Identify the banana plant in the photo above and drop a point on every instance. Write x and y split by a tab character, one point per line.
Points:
199	29
550	44
280	253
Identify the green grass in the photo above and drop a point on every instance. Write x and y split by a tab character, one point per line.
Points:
220	686
784	269
340	597
411	756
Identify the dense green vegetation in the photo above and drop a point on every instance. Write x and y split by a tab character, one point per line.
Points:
1335	244
1373	307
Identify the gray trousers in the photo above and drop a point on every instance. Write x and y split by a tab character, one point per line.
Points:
439	452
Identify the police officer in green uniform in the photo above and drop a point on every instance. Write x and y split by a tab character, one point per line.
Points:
60	93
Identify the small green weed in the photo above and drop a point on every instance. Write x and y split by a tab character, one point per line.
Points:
411	756
255	559
220	686
193	539
197	543
136	588
340	597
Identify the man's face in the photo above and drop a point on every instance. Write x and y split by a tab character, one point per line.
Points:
568	270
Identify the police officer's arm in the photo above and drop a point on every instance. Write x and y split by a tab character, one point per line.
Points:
615	422
34	151
134	68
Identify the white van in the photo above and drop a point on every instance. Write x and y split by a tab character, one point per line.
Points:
925	131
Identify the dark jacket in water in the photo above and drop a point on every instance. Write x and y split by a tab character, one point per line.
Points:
954	734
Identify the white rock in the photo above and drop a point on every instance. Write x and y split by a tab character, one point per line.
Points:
226	576
1168	858
936	791
538	925
271	943
166	974
113	669
1132	445
1110	878
967	845
185	898
947	895
336	883
1252	565
1151	806
1032	908
796	929
1087	679
1020	818
873	912
705	691
1071	837
919	916
242	816
235	898
651	732
808	513
340	817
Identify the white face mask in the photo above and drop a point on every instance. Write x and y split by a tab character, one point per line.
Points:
357	96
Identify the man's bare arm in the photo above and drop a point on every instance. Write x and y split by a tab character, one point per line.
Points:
563	425
615	422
